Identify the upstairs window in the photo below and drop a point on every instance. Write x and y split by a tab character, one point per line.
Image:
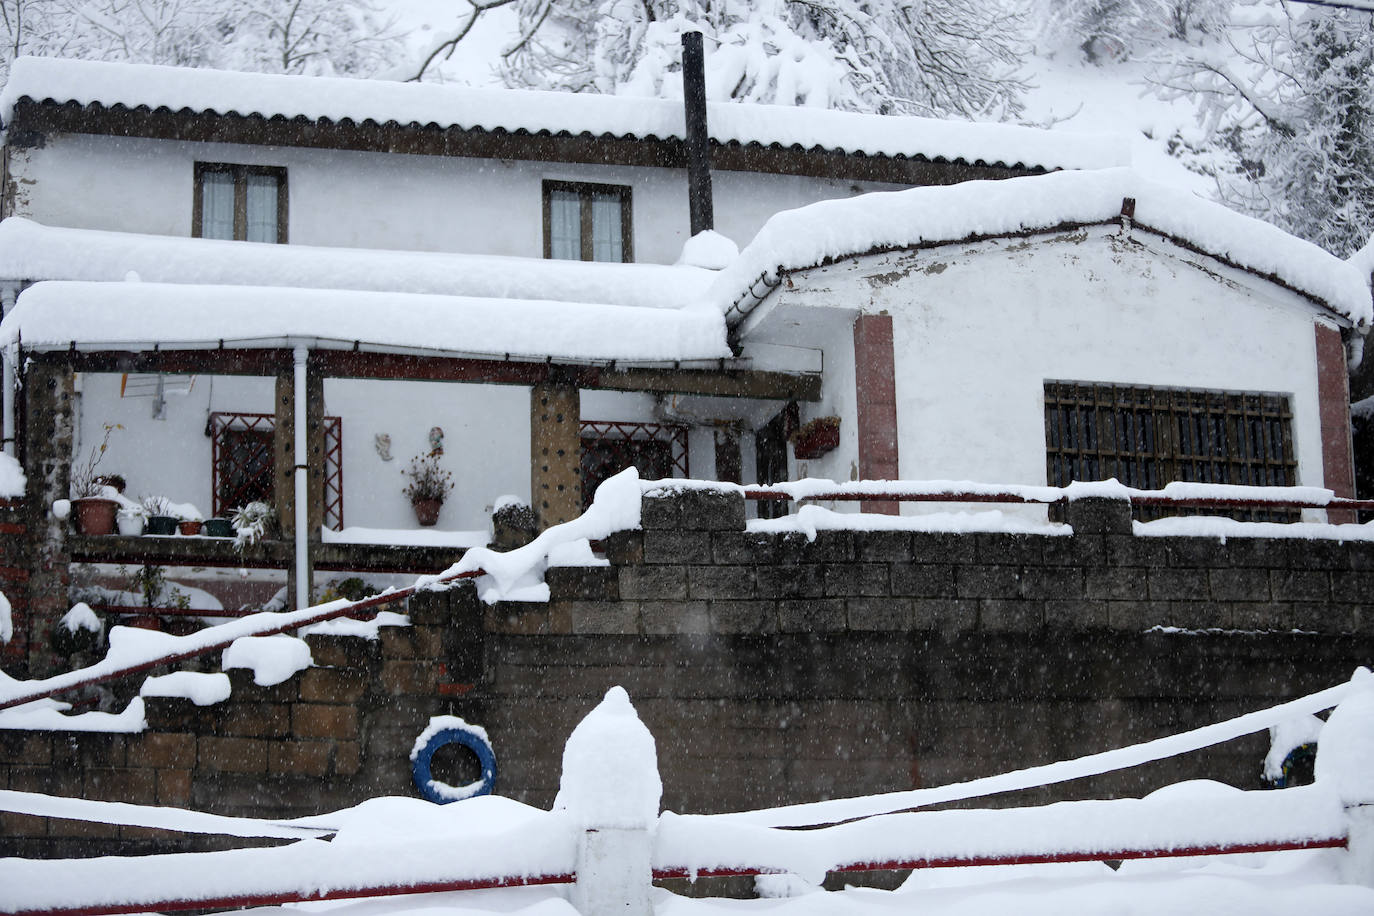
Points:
587	222
243	202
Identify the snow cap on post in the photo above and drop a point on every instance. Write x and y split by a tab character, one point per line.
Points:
610	769
1345	753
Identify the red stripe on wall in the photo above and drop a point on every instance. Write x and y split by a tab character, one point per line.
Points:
876	385
1333	399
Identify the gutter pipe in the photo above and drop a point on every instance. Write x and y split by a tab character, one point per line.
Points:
302	552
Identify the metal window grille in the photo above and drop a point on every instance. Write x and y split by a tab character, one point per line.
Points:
1147	437
655	449
242	462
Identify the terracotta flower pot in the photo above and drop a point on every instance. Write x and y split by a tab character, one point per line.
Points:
427	511
189	528
94	515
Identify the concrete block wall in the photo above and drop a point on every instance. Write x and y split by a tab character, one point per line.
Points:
775	669
771	669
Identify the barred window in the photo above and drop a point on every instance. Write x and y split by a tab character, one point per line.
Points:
657	451
243	465
1147	437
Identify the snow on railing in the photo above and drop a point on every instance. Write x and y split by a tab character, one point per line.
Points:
605	834
1181	494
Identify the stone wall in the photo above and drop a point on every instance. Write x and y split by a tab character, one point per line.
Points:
326	738
772	669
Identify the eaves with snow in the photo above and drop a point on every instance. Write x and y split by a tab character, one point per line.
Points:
100	290
30	251
348	112
132	316
833	230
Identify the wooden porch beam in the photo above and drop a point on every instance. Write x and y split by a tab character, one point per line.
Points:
711	382
721	383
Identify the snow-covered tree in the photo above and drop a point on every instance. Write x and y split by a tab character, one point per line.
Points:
1290	92
951	57
1107	30
283	36
318	37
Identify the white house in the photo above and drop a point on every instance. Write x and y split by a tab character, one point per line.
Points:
205	252
1080	325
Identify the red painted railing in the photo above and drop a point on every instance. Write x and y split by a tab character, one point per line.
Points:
73	680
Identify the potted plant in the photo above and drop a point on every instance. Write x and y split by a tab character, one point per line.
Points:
253	522
429	486
190	526
92	509
131	519
815	438
160	518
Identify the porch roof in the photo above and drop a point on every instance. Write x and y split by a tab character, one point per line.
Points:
135	316
32	251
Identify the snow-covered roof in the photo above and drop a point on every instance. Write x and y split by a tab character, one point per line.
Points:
135	315
514	111
30	251
922	217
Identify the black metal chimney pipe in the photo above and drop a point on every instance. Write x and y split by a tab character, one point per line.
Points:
698	142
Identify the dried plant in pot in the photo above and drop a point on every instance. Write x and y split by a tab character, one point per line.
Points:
428	488
160	518
93	510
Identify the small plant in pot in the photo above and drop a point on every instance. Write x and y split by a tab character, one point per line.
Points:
160	518
428	488
93	509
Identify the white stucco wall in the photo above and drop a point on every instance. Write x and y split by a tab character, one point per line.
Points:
377	200
486	441
978	329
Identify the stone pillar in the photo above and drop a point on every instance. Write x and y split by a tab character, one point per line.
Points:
284	464
47	456
555	452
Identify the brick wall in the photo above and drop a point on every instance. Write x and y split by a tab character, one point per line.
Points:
14	579
772	669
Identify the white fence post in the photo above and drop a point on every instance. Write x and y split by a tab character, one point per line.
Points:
1345	763
611	788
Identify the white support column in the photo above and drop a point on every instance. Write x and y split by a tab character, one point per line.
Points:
301	478
611	788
